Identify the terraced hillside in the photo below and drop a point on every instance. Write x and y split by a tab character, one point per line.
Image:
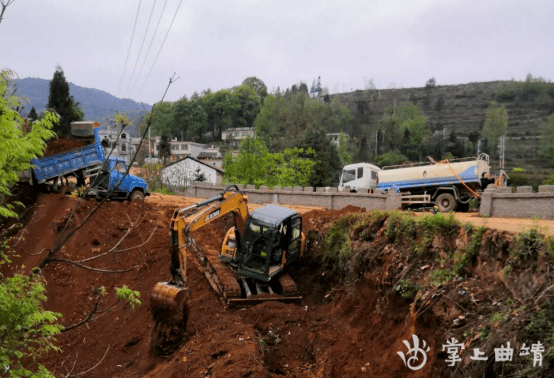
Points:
461	108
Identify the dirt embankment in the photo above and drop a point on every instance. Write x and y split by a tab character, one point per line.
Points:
386	279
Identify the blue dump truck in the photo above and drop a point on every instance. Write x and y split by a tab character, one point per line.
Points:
90	163
449	185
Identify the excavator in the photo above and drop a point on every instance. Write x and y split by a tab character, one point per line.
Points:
250	266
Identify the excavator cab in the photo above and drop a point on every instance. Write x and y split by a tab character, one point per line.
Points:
272	240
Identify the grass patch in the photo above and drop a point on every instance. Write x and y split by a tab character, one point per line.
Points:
528	244
472	249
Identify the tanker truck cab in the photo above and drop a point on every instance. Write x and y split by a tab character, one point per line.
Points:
359	176
112	177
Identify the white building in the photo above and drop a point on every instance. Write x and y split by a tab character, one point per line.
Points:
124	147
181	150
185	171
334	137
234	134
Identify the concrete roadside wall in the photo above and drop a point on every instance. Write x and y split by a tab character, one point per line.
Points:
519	203
320	197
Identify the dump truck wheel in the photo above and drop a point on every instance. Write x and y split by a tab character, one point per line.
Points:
446	202
137	196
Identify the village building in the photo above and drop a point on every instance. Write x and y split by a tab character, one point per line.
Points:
184	172
234	135
121	144
334	137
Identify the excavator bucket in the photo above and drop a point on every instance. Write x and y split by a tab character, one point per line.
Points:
169	307
169	304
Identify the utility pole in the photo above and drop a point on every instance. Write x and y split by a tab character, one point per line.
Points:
502	148
376	134
478	147
149	147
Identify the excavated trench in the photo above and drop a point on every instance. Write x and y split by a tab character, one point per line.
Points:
389	278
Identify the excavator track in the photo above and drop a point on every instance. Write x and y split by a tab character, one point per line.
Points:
240	291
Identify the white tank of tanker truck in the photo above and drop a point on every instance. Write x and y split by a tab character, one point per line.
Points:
448	184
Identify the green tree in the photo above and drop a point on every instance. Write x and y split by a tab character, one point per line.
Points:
496	125
32	114
344	156
162	121
258	86
249	105
17	148
267	122
337	116
221	108
328	166
190	118
255	165
405	129
26	330
431	83
390	158
60	101
547	138
165	148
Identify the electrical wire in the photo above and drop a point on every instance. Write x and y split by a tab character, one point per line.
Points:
141	45
166	34
149	47
129	50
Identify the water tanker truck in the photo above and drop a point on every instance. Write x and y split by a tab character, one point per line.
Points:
448	184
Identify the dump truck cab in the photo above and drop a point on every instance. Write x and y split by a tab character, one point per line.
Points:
112	177
272	240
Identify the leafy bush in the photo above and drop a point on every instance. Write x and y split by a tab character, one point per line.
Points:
528	244
472	249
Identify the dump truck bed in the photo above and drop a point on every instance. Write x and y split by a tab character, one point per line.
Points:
61	164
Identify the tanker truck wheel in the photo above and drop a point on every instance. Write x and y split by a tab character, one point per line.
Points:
446	202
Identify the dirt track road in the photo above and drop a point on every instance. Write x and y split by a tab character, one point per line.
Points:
514	225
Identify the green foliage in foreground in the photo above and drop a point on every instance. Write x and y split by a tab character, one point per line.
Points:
255	165
17	145
26	329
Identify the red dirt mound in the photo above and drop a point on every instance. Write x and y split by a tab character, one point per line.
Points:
57	146
338	331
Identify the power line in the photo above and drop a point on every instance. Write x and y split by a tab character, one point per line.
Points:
129	50
149	47
141	45
166	34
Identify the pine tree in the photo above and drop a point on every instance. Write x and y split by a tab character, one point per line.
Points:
32	114
318	86
60	101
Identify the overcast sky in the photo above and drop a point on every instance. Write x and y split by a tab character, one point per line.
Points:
217	44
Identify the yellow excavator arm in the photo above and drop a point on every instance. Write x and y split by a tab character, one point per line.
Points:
186	220
168	299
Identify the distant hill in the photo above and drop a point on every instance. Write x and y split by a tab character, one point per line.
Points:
461	108
97	105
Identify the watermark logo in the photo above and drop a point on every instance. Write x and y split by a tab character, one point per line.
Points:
418	354
415	351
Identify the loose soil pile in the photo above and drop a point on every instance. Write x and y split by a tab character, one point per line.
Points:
60	145
355	314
